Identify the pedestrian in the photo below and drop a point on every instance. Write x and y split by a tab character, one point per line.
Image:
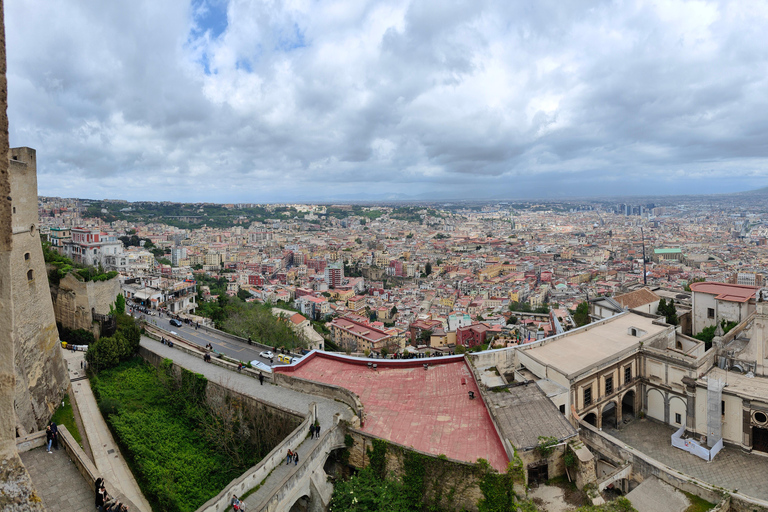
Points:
48	438
296	459
261	378
288	457
317	430
240	366
311	431
55	432
100	498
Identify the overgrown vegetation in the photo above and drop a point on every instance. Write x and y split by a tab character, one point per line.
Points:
64	266
706	335
620	504
76	336
182	451
65	416
427	484
697	504
108	351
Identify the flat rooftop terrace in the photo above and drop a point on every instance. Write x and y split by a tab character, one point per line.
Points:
584	348
427	410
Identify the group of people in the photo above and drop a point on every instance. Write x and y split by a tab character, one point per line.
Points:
292	457
314	431
52	437
105	502
236	503
166	342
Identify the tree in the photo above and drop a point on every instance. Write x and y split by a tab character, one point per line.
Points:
120	304
393	311
668	311
428	269
512	320
581	315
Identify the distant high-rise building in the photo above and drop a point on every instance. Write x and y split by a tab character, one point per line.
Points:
334	273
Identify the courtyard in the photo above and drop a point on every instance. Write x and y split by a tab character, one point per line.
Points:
732	468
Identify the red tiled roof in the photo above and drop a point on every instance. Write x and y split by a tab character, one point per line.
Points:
428	410
725	291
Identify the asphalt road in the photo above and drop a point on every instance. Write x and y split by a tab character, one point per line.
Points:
234	349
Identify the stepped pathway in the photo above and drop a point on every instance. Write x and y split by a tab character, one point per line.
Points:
286	398
106	454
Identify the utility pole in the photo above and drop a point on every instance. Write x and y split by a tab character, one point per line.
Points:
645	274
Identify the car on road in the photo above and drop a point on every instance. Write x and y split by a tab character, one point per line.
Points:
267	354
175	323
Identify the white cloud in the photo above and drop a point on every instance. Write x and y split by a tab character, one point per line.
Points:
280	99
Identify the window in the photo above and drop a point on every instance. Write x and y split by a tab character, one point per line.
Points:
14	209
710	313
30	275
627	375
678	418
26	255
587	396
722	408
609	385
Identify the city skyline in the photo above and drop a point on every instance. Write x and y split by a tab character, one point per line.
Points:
225	102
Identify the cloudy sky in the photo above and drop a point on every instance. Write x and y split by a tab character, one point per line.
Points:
281	100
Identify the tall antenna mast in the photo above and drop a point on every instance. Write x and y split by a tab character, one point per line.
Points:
645	274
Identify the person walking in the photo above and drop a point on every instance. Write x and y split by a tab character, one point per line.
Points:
288	457
312	431
261	379
317	430
296	459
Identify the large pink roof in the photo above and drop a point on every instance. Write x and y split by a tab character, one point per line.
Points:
427	410
724	291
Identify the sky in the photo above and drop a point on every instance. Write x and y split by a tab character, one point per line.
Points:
323	100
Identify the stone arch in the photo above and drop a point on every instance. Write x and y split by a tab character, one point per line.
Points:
609	415
677	405
591	418
655	404
628	405
301	504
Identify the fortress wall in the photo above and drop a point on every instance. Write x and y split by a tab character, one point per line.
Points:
75	301
41	376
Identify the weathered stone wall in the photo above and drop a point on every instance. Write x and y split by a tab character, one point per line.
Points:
7	373
75	301
442	475
41	377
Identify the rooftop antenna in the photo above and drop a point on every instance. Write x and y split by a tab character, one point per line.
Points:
645	274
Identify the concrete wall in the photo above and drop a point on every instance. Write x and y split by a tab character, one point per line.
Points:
310	479
75	301
260	471
41	377
324	390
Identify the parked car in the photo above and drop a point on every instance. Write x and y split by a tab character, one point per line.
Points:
175	323
267	354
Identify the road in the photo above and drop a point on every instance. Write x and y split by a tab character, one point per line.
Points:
234	349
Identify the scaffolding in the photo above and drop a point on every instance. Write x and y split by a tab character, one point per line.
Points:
714	411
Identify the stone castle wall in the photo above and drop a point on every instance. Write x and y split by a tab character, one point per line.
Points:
7	373
75	301
41	377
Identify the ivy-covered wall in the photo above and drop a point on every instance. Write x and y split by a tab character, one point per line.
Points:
440	483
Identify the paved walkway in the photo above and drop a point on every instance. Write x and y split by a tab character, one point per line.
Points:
289	399
731	468
57	481
107	457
